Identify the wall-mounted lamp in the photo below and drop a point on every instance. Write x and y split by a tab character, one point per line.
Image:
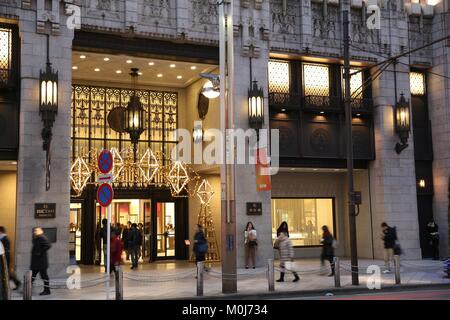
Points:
211	88
48	99
197	132
422	183
255	106
402	123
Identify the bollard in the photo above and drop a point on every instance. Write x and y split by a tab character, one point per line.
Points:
271	274
397	269
119	283
200	268
27	285
337	272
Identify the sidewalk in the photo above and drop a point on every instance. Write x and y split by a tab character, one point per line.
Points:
176	280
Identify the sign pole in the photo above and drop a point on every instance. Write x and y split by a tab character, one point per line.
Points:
108	249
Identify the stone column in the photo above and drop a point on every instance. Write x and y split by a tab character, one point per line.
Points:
438	107
31	165
246	45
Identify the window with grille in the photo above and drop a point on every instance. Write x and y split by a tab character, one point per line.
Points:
417	83
90	130
279	79
316	79
5	55
356	82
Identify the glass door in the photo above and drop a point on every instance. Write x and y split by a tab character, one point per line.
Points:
165	229
147	229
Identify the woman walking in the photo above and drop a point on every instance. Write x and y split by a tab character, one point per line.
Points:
250	244
327	249
283	228
284	245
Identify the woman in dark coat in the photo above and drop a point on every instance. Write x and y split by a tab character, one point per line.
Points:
327	249
39	259
283	228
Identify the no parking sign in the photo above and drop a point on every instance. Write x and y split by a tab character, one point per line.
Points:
105	193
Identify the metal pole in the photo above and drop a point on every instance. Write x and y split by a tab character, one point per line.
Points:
271	274
200	268
27	285
108	249
119	283
337	272
397	269
349	146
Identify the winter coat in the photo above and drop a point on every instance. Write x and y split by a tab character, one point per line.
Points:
116	251
433	232
327	246
39	259
134	238
284	245
199	238
6	245
125	233
389	237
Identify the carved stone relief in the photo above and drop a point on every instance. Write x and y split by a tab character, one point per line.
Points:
326	23
284	21
159	11
204	15
106	9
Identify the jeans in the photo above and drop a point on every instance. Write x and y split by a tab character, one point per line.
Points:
134	252
388	256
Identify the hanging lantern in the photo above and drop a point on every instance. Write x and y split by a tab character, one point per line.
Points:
402	123
133	119
255	106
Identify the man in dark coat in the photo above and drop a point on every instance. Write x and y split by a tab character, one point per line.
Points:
433	236
125	233
7	246
39	259
133	245
389	236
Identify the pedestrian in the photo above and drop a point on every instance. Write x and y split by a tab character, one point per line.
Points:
251	244
39	259
433	236
118	231
125	233
98	244
284	245
4	239
133	245
200	245
389	236
327	249
116	251
104	236
283	228
141	238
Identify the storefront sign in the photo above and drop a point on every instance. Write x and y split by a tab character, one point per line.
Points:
44	210
254	208
262	171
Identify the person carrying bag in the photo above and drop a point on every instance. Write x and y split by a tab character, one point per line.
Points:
250	245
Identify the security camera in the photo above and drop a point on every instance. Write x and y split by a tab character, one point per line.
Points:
214	78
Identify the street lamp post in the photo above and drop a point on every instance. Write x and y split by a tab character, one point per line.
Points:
349	146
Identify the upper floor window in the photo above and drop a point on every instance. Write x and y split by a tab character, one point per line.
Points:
356	83
417	83
279	80
316	79
5	55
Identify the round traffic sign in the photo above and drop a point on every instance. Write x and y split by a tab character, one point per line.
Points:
105	161
105	194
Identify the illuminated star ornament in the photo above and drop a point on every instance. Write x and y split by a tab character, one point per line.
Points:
178	177
148	166
79	175
118	163
205	192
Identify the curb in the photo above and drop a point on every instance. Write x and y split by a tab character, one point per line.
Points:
320	292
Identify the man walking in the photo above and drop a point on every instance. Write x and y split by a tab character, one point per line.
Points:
7	246
39	259
133	245
389	236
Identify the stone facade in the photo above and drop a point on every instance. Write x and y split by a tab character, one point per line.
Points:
262	27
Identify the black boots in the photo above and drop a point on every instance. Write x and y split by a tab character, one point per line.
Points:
296	277
281	277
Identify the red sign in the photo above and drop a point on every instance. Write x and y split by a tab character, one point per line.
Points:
262	171
105	195
105	161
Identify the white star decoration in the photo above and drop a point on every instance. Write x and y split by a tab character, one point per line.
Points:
205	192
148	166
178	177
79	175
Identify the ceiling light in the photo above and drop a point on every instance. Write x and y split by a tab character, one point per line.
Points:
292	169
106	59
96	69
129	61
322	112
358	114
151	63
74	68
82	56
193	67
159	75
140	73
283	110
173	65
179	77
14	162
118	71
315	169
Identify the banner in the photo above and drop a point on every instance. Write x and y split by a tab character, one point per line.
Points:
262	171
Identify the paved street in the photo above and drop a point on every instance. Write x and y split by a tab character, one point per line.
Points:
173	280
